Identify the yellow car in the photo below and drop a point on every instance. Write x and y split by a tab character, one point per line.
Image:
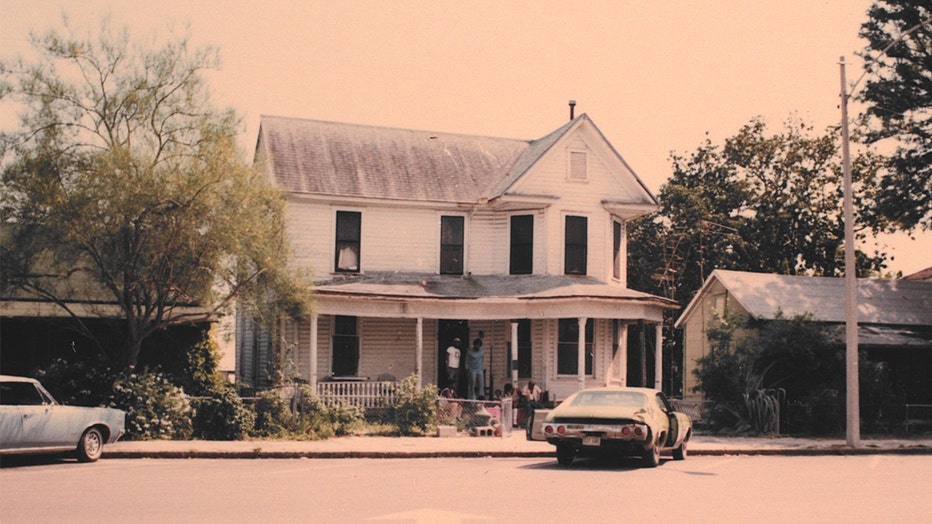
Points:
619	421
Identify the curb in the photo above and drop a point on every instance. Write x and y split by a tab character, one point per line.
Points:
258	454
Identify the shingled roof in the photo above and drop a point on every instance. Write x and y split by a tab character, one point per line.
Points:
338	159
880	302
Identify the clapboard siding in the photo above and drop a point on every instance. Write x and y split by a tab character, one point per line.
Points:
387	345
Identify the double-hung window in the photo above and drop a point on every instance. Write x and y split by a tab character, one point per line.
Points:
451	245
575	245
616	248
522	245
349	229
568	347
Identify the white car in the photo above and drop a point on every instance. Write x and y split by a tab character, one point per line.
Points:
31	421
616	420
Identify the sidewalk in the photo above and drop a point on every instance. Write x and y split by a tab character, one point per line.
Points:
514	445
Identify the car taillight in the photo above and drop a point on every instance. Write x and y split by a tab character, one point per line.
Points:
626	431
561	430
638	431
548	429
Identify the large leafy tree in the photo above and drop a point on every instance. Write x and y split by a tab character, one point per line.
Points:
125	195
762	201
898	94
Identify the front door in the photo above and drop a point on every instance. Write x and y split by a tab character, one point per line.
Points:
447	331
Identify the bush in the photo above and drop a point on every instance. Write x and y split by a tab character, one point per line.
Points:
78	382
273	417
413	411
223	417
155	409
303	415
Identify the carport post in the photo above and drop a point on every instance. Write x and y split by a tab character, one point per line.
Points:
419	352
312	365
581	354
514	353
658	357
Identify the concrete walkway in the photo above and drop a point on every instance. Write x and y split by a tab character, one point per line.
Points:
514	445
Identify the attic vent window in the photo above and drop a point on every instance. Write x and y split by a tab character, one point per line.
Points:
577	165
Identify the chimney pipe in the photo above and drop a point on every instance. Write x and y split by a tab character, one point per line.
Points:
572	109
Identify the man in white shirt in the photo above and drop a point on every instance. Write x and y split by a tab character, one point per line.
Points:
453	361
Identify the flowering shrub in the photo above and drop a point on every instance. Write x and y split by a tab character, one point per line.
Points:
155	409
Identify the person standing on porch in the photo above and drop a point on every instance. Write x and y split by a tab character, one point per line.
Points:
453	361
475	367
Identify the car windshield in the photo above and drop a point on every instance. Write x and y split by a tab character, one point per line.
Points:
627	399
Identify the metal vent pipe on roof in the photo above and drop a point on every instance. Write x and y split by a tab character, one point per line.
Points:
572	109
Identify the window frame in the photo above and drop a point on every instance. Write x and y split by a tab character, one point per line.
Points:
567	351
574	250
347	340
618	233
445	247
344	239
521	252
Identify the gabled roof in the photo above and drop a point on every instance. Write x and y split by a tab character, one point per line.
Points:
338	159
924	274
881	302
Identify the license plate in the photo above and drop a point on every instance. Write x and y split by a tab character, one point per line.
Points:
591	441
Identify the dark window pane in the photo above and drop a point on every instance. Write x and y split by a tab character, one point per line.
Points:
575	247
451	245
345	362
522	245
524	349
616	249
568	346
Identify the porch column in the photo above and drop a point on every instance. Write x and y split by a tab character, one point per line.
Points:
312	365
581	355
514	353
419	352
619	366
658	357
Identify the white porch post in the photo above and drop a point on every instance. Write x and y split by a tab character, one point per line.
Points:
620	361
581	354
658	357
419	353
312	365
514	353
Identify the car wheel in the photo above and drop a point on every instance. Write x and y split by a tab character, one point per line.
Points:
565	455
651	456
91	445
680	452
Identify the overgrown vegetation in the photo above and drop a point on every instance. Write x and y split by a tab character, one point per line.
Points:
414	411
759	370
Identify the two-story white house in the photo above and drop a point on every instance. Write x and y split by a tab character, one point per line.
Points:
414	238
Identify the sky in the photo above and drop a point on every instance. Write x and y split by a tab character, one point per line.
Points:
655	77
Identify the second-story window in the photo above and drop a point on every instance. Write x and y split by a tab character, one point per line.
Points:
616	248
522	245
575	245
451	245
349	230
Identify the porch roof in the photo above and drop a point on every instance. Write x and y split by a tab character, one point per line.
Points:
486	296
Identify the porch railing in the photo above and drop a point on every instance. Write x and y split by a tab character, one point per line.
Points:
359	394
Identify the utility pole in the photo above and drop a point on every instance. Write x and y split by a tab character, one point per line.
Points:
852	400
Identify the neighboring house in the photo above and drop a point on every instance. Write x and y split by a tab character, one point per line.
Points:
414	238
923	275
894	318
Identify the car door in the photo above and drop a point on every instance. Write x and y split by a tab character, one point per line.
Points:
676	433
11	419
44	423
